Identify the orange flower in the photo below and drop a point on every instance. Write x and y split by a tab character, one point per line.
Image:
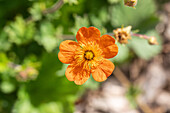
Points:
88	55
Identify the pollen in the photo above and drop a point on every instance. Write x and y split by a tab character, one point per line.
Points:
88	55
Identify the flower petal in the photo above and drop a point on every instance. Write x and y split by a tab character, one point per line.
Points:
128	29
77	74
103	71
107	44
67	51
87	34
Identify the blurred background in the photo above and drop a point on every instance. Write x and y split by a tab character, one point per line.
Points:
32	79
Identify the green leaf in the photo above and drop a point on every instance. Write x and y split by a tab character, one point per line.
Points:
23	104
4	42
142	48
122	15
61	72
113	1
3	62
49	36
132	94
103	15
36	11
58	86
20	32
80	22
7	87
51	107
96	21
54	16
100	20
71	2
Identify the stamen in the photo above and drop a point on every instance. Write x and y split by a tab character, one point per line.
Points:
88	55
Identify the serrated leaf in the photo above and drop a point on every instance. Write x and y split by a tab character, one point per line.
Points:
19	31
48	36
36	11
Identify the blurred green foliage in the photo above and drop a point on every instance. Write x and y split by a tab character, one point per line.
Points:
132	93
31	76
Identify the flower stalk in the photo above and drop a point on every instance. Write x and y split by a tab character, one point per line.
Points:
151	39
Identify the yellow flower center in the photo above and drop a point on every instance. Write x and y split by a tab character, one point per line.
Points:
88	55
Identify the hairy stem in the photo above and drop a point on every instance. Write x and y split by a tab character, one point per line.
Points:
140	35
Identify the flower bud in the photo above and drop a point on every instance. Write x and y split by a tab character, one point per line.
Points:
130	3
152	41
